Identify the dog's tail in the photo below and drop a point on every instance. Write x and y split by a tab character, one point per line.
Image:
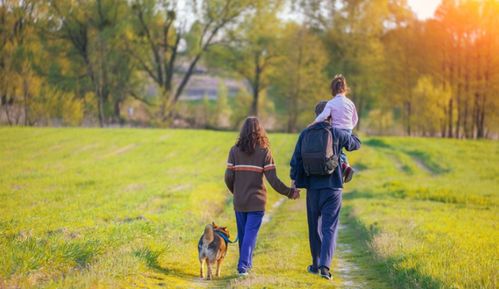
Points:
208	234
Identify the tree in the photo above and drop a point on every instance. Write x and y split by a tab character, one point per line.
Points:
252	49
467	30
428	111
93	29
155	43
19	49
222	110
402	69
352	32
300	80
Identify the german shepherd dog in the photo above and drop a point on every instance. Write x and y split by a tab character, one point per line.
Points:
212	248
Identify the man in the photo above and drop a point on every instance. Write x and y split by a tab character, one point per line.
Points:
324	194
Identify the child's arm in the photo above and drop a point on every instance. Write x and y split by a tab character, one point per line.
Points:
323	115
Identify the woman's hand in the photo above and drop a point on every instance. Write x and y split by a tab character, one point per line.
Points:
296	194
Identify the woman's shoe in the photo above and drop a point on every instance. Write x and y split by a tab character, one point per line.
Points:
242	273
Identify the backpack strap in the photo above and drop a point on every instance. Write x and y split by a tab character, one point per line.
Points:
335	141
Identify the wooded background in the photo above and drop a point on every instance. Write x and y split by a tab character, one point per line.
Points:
114	63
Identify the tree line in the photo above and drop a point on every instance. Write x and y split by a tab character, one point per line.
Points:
72	62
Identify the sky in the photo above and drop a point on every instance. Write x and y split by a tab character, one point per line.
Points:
424	8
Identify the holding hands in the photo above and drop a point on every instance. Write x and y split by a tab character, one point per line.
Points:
296	192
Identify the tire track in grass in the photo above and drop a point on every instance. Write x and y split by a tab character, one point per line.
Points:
422	166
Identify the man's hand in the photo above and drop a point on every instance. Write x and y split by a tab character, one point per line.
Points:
296	193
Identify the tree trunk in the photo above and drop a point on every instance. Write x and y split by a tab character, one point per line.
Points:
442	123
408	108
256	96
476	112
451	108
481	123
26	104
100	107
256	86
9	120
117	112
466	92
100	101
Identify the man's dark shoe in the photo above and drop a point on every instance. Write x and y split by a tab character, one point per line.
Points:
313	270
324	272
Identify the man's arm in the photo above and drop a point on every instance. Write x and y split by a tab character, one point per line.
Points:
296	160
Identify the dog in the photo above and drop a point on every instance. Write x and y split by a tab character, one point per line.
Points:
212	248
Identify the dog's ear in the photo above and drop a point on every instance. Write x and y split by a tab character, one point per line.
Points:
224	228
214	225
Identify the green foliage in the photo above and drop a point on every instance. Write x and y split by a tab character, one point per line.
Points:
222	110
240	104
429	109
53	105
116	51
426	219
300	81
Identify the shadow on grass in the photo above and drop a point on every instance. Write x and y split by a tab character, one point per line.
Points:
358	195
425	161
150	257
399	276
376	143
360	167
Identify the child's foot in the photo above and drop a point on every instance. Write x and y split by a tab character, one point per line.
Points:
347	172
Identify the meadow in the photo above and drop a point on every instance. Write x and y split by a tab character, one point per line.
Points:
124	208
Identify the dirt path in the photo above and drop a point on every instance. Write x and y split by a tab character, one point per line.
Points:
283	266
347	268
269	214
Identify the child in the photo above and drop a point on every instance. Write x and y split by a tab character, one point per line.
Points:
249	160
344	116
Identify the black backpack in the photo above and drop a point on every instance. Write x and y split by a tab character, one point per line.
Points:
317	152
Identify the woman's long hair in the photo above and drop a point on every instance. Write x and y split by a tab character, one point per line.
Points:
252	135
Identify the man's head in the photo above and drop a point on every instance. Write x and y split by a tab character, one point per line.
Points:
319	107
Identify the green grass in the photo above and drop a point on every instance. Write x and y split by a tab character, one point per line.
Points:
429	207
124	208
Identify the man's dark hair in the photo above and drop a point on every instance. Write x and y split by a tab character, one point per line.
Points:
320	107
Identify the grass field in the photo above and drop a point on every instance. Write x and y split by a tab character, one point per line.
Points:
92	208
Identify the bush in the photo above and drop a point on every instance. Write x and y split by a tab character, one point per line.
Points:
52	107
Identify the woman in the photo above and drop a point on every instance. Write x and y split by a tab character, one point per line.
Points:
248	161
